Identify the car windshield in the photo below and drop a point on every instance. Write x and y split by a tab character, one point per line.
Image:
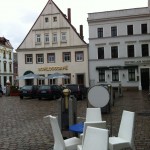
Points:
27	88
44	87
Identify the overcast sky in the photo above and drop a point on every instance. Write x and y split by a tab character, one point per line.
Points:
18	16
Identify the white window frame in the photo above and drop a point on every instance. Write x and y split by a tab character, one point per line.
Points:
38	38
54	37
67	57
63	37
79	56
51	57
28	58
46	38
39	58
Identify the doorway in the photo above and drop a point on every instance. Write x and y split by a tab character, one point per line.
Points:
80	79
145	78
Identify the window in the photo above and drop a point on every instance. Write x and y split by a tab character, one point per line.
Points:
39	58
101	75
38	38
131	74
46	19
9	55
101	53
130	29
67	57
51	81
41	81
67	81
46	38
63	37
28	58
10	79
113	31
79	56
50	57
145	50
114	52
54	37
54	19
5	79
10	67
100	32
4	54
144	28
130	50
115	75
5	67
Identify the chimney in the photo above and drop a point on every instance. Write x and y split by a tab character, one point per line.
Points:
69	15
81	31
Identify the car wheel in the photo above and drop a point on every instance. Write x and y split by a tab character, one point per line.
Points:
39	98
21	97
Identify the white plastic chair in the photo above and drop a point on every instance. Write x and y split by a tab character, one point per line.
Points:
95	139
59	142
125	137
98	124
93	114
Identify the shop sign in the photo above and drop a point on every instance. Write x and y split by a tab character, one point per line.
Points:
137	62
55	68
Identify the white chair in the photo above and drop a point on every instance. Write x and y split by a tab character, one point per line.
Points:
93	114
59	142
125	137
95	139
98	124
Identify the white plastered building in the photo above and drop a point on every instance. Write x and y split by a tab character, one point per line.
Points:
53	45
119	48
6	63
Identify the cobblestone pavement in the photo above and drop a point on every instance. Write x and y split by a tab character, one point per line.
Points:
22	126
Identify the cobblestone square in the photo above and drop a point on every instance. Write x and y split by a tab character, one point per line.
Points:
22	126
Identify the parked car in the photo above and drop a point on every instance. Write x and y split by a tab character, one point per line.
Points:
49	92
79	91
1	91
28	91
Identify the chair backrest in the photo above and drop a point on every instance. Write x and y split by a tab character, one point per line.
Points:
58	139
126	129
93	114
98	124
95	139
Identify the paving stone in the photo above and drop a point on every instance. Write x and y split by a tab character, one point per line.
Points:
22	126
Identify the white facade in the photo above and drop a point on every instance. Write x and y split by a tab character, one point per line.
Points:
53	45
6	62
119	48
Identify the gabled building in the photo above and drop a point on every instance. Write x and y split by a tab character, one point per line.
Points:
119	48
6	62
54	45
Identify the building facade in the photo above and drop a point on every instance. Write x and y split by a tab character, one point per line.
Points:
15	66
119	48
53	45
6	62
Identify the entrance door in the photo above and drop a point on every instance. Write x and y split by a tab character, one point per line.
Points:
145	78
80	79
